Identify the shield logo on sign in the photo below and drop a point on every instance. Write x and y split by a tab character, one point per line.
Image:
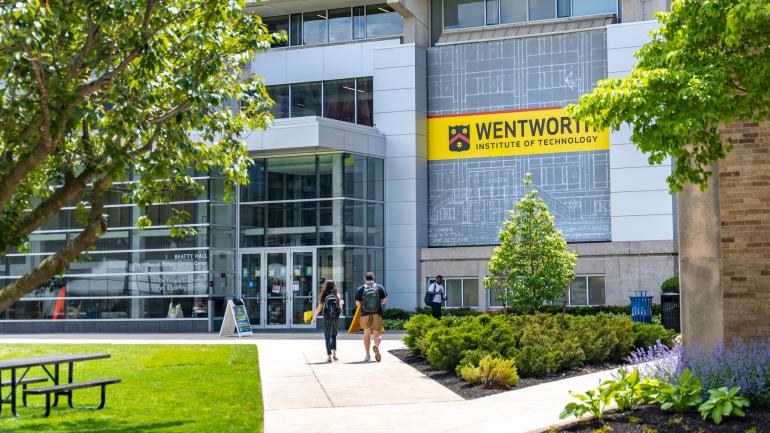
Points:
459	138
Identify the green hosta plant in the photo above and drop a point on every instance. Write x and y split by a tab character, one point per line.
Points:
624	390
682	396
723	403
594	402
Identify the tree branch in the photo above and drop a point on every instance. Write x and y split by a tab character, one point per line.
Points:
55	264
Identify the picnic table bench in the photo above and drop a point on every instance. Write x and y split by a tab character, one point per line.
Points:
59	387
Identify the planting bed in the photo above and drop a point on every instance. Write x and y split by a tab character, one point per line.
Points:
470	391
650	419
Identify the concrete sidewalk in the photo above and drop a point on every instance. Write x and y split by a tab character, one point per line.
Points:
304	394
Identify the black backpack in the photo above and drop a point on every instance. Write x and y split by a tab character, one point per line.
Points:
428	297
331	307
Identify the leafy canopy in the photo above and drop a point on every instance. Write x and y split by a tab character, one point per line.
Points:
532	263
136	91
707	65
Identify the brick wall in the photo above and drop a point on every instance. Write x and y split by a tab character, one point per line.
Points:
744	200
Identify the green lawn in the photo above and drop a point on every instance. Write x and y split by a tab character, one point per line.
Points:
165	388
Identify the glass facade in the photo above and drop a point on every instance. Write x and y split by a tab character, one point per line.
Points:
476	13
330	206
337	25
348	100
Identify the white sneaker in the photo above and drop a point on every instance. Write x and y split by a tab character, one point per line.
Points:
367	358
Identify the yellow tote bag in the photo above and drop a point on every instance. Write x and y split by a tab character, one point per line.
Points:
308	316
355	325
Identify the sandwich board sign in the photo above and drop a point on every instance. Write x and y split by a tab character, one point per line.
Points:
236	320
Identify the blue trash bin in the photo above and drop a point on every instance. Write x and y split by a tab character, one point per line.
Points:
641	307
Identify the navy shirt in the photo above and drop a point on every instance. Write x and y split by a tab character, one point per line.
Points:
380	290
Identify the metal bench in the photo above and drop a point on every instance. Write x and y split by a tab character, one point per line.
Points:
67	388
23	382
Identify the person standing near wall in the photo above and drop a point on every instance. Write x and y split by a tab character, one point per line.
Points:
438	292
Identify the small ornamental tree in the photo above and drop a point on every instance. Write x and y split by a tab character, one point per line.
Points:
133	91
532	264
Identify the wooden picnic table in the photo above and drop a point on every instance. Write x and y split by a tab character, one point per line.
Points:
26	364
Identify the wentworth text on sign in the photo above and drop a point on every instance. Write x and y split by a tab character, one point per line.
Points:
510	133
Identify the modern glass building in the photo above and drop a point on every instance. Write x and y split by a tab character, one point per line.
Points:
358	173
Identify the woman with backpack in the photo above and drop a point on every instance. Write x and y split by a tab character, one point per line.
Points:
331	304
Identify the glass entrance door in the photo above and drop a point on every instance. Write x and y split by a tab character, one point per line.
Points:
277	287
277	293
251	285
302	284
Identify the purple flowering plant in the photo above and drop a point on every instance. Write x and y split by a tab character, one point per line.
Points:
741	364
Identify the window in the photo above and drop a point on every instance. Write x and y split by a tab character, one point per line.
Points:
314	27
276	25
340	25
364	101
463	13
593	7
541	10
280	96
460	292
587	290
495	298
493	12
340	100
563	8
306	99
359	23
513	11
382	20
295	29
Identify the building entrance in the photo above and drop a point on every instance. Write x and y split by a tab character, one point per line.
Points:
277	286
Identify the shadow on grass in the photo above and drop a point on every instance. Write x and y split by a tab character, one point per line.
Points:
104	426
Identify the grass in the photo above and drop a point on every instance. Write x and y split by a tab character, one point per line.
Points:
165	388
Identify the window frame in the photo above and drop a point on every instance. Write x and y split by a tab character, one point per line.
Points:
588	290
479	281
322	110
529	14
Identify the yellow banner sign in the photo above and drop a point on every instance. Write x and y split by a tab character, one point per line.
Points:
511	133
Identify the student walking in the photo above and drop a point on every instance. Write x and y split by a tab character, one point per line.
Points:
370	298
331	304
436	289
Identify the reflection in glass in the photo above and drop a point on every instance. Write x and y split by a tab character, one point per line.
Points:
306	99
375	173
295	30
563	8
382	20
355	176
454	293
513	11
252	225
470	292
340	100
302	286
578	294
375	224
355	221
541	10
493	12
292	178
596	290
463	13
280	96
255	190
340	25
364	101
330	175
276	25
359	23
329	222
291	224
314	27
593	7
251	283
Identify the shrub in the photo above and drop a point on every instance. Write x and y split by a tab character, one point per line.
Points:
604	338
395	314
647	334
473	357
723	403
445	344
393	324
544	346
416	328
492	371
671	285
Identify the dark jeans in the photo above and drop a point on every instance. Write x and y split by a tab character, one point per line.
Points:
330	334
436	306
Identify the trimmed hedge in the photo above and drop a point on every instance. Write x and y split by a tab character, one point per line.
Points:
550	309
539	343
396	314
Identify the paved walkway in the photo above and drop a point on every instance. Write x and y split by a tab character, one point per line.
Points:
304	394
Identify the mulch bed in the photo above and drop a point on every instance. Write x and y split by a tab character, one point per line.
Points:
470	391
650	419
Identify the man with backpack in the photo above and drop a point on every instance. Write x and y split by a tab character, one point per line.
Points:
370	298
436	295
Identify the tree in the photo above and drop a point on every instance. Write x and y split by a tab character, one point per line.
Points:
532	264
97	91
707	65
